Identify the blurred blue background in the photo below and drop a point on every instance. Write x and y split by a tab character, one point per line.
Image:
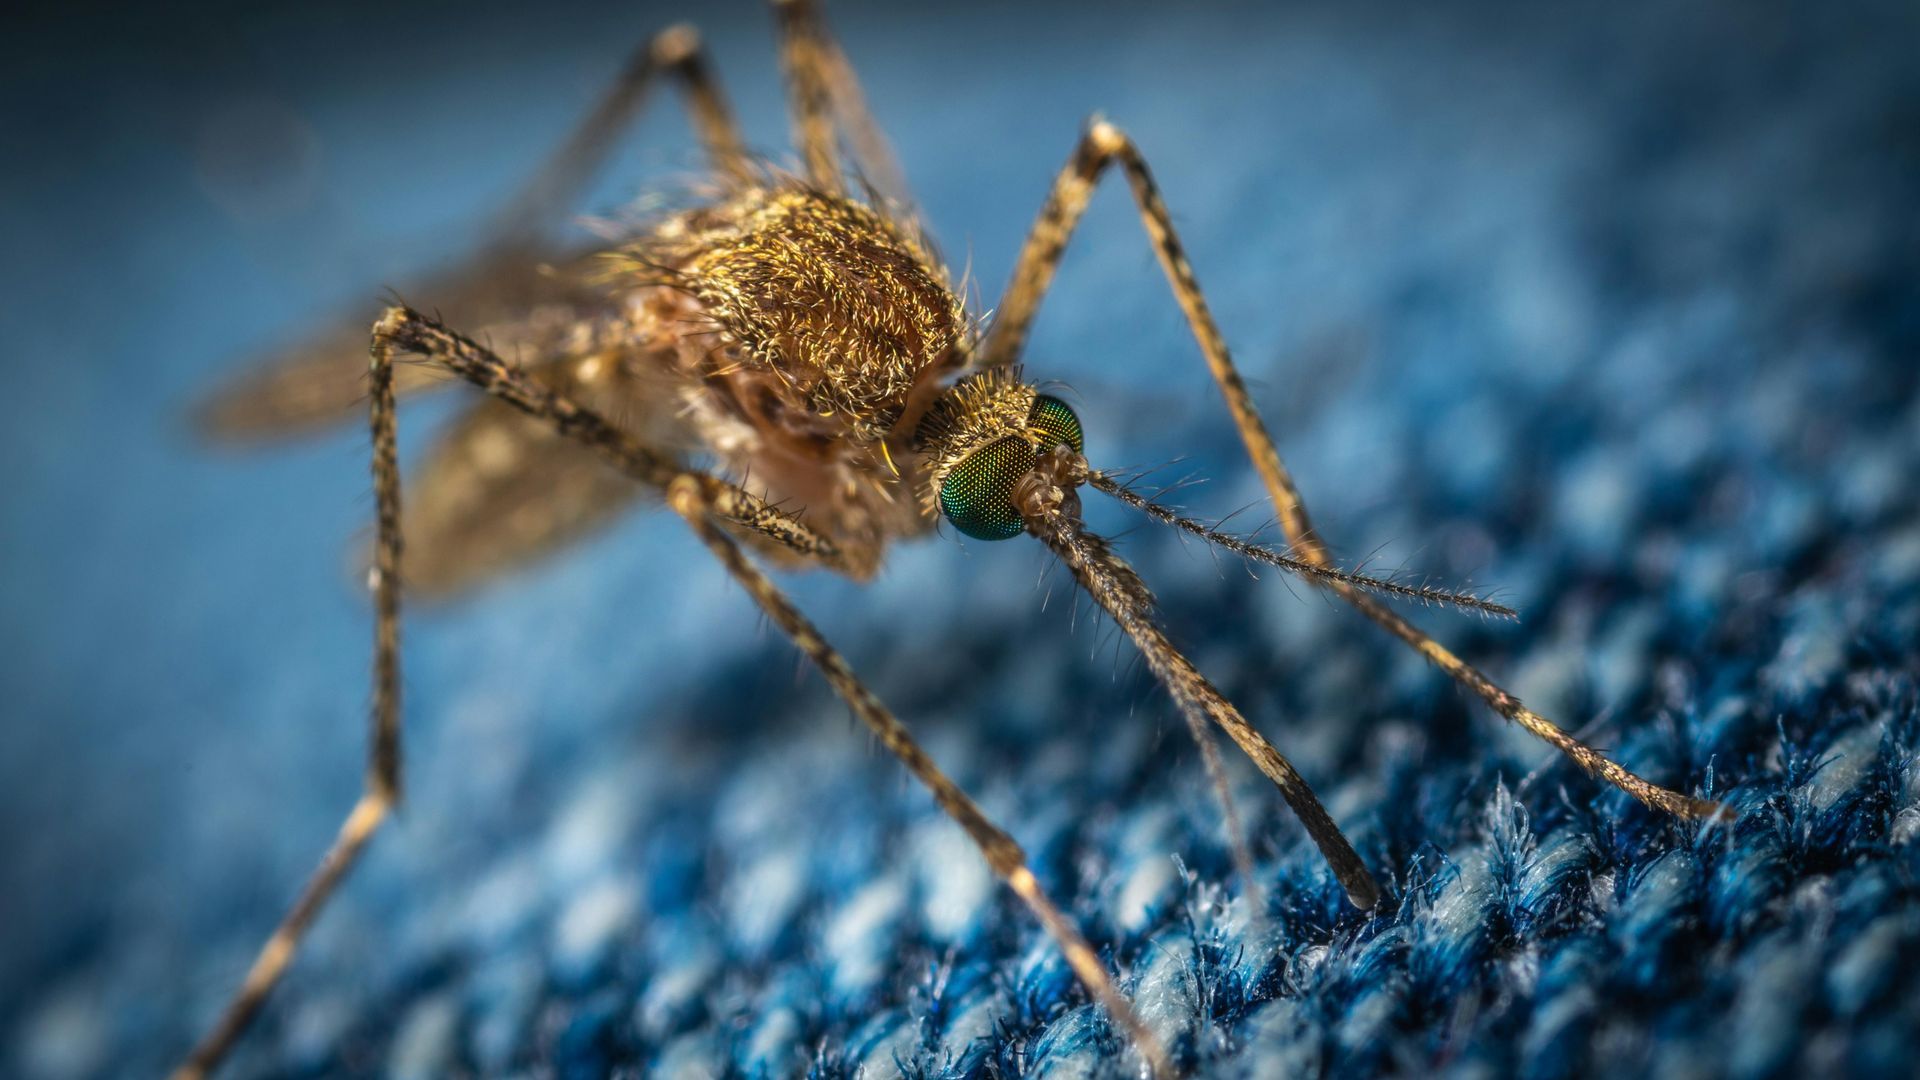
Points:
1610	306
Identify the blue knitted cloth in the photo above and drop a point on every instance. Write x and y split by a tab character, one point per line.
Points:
1614	310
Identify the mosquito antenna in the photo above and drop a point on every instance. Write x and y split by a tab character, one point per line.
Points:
1425	594
1115	587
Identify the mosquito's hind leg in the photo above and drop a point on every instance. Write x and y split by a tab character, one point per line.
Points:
1105	145
1002	852
824	91
316	381
675	52
382	788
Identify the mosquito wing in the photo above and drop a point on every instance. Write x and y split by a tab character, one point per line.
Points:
507	297
501	489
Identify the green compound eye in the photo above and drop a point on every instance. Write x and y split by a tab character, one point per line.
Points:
977	495
1056	424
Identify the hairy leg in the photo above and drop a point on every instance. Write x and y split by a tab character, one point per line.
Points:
382	786
674	53
318	380
405	330
1001	851
702	500
1105	145
1051	514
802	58
826	100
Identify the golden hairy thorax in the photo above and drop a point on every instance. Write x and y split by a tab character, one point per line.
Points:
810	333
842	314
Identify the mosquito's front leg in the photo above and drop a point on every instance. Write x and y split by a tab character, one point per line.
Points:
1002	852
405	330
1116	588
701	499
383	785
1104	145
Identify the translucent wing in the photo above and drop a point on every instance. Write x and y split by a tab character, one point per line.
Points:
509	297
501	489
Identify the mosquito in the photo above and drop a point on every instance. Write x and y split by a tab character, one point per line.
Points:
798	329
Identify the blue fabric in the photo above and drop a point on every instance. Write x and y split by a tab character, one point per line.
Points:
1613	310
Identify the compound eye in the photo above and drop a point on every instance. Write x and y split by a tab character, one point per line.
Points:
977	495
1055	424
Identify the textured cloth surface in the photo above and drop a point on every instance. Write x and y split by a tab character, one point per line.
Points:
1613	310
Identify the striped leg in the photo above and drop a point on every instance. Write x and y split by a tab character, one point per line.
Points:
382	787
317	381
704	500
802	57
675	53
826	96
1116	588
408	331
1002	852
1105	145
401	330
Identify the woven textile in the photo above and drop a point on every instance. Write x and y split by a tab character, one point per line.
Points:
1613	311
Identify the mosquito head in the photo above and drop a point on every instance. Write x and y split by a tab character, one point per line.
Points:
1001	458
986	440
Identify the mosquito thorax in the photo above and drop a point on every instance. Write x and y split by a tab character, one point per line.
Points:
817	299
981	440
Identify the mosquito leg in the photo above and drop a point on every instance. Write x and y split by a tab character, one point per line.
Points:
701	499
401	330
688	498
1006	337
826	91
382	785
313	382
804	49
407	331
674	52
1105	145
826	98
871	150
1118	589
